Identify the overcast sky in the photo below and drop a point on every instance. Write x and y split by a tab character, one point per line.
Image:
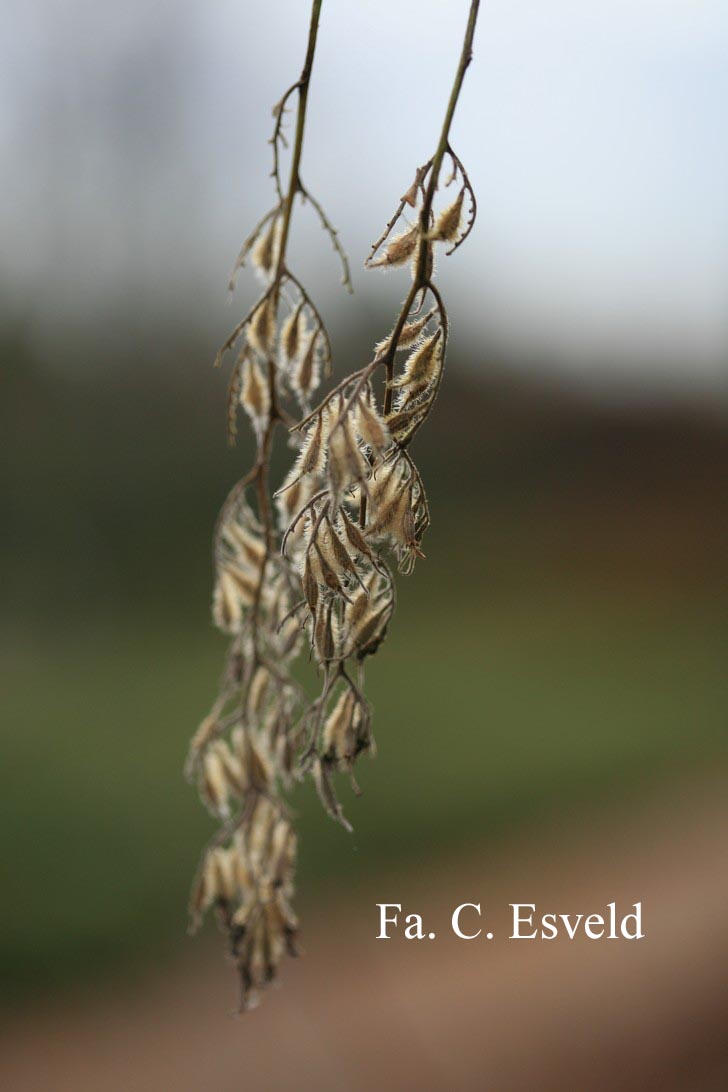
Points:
134	158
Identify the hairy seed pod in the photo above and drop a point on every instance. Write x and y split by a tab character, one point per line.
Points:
254	394
310	585
356	538
292	333
262	326
371	631
403	423
312	456
409	334
336	726
423	363
306	377
245	584
226	604
400	249
248	546
324	638
447	225
346	462
256	694
339	558
265	251
371	428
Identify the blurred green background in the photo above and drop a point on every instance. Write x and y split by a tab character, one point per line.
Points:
563	643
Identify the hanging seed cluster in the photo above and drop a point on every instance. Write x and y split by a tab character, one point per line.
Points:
353	503
305	572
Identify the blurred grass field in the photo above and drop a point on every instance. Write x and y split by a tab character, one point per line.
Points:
491	709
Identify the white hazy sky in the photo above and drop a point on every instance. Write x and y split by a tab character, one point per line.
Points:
133	154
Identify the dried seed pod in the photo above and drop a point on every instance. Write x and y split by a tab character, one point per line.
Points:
221	777
400	248
324	634
409	334
265	252
403	423
312	456
262	326
254	394
259	685
227	609
447	225
292	333
423	364
310	584
356	539
370	630
306	376
346	463
249	547
245	583
371	428
322	780
336	554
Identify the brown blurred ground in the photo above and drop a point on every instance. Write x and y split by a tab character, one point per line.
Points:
360	1014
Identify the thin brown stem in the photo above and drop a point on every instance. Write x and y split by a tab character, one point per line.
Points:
421	273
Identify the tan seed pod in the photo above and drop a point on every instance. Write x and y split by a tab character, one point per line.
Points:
259	685
310	585
337	555
226	604
331	579
423	363
400	249
312	456
355	536
404	423
255	771
357	609
306	377
370	631
215	781
335	726
249	546
323	635
291	334
245	583
262	326
222	873
429	260
254	394
408	335
322	780
346	462
206	731
371	427
265	252
447	225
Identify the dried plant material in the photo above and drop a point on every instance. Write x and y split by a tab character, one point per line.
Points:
447	225
352	502
400	249
422	365
254	394
292	334
264	254
371	428
409	334
262	328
